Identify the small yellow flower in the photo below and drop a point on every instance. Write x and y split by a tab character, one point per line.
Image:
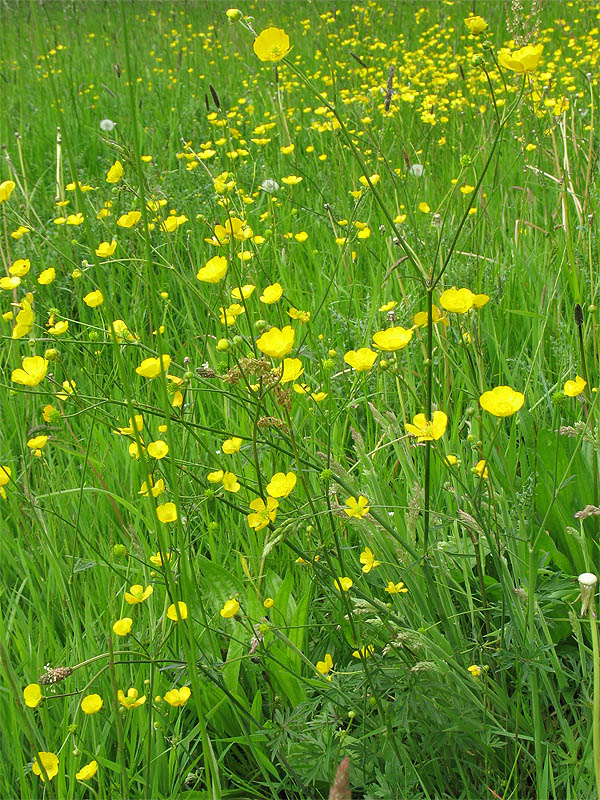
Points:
157	559
426	431
175	609
361	360
46	276
475	670
272	44
213	271
281	484
50	763
343	584
396	588
357	508
268	602
525	59
230	482
137	594
6	189
392	339
502	401
292	370
231	446
152	367
364	652
91	704
106	249
271	294
276	342
115	173
476	24
262	513
94	299
367	559
230	609
178	697
123	626
33	371
481	469
129	219
574	388
325	666
459	301
87	772
131	700
32	694
158	449
167	512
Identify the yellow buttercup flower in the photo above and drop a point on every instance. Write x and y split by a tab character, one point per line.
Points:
574	388
32	694
6	189
91	704
106	249
502	401
343	584
177	609
361	360
132	699
292	370
325	666
392	338
425	430
94	299
213	271
46	276
87	772
476	24
129	219
231	446
456	300
367	559
122	626
357	508
262	513
230	609
115	173
50	763
281	484
137	594
167	512
276	342
396	588
272	44
525	59
152	367
178	697
33	371
271	294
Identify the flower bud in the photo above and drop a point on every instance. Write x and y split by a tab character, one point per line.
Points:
234	14
119	550
51	354
587	584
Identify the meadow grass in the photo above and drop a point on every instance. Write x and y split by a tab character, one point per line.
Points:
232	553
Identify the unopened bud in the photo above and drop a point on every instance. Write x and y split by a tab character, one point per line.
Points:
587	584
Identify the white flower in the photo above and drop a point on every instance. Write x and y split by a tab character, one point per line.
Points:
270	186
107	125
416	170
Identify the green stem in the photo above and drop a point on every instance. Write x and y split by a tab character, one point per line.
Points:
596	710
